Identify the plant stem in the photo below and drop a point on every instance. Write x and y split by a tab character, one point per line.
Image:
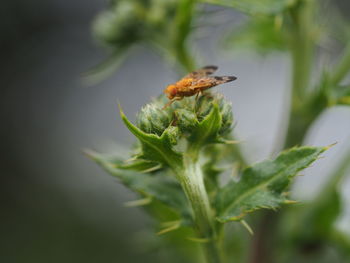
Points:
182	29
191	179
343	67
338	174
302	53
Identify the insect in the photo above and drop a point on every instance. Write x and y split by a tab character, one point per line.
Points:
195	83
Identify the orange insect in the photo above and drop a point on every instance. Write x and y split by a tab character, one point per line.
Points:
195	83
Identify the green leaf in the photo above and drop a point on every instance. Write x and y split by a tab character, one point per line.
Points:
158	186
207	130
261	34
266	7
156	148
263	185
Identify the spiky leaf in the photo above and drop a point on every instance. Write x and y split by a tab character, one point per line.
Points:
160	187
156	148
263	184
207	130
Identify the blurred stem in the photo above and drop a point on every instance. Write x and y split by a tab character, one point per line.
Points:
343	67
192	181
182	29
337	175
184	57
302	54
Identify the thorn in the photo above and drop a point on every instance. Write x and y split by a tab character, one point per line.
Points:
285	193
235	169
121	112
232	142
130	159
246	226
198	240
173	227
331	145
154	168
236	218
89	153
290	202
140	202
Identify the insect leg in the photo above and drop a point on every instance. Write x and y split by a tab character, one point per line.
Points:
197	95
171	101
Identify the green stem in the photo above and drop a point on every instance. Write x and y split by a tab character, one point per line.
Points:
182	29
185	59
343	67
339	173
191	179
302	54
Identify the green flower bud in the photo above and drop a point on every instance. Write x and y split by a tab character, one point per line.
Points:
186	120
205	104
173	134
122	25
227	116
184	114
153	119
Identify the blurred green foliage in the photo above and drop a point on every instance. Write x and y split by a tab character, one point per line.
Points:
301	233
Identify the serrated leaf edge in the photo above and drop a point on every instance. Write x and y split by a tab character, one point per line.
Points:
239	217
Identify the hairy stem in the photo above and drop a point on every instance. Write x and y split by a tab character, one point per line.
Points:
191	179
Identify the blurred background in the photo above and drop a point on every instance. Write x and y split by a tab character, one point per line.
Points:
56	204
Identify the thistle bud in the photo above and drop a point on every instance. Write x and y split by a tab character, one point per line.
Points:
226	115
186	120
205	105
185	114
152	119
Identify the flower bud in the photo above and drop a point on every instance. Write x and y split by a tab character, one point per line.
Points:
226	115
185	114
152	119
205	105
186	120
173	134
121	25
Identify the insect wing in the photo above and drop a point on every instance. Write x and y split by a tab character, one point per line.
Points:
202	72
223	79
208	82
